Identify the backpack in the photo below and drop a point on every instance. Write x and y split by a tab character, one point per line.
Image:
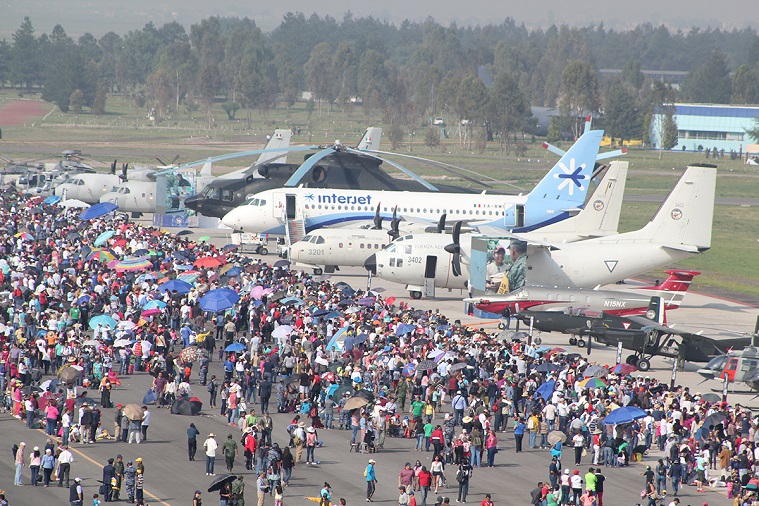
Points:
14	449
531	423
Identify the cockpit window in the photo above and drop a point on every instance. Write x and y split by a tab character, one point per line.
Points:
409	249
319	240
227	195
307	238
390	248
213	193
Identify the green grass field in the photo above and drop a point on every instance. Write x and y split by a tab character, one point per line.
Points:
125	131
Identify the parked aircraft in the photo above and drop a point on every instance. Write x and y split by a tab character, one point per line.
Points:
555	198
411	258
737	365
90	187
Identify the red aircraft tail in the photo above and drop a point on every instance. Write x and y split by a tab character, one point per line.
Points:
675	286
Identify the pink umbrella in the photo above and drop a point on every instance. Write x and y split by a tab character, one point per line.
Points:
257	292
150	312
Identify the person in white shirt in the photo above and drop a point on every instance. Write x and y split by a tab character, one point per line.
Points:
64	466
210	445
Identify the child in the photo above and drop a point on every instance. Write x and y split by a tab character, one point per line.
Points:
278	495
139	485
95	500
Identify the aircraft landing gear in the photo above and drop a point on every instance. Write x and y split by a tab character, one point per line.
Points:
581	343
644	365
632	360
416	295
573	341
318	271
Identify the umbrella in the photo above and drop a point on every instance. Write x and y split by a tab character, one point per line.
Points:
101	256
281	263
409	370
24	236
183	407
320	312
390	301
352	310
404	328
292	300
52	199
592	383
220	481
546	389
425	365
624	369
98	210
133	412
595	371
84	299
102	238
456	367
104	320
365	301
208	263
91	342
150	312
68	374
711	398
229	247
73	235
120	343
204	238
291	379
322	361
556	436
366	394
714	419
197	405
234	271
282	331
184	232
334	314
625	414
554	351
547	367
180	286
235	347
132	264
355	402
51	384
154	304
74	204
219	299
30	389
189	354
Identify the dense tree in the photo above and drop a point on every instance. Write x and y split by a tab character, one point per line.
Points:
319	74
632	75
507	107
753	132
471	104
622	112
579	92
745	85
710	82
25	63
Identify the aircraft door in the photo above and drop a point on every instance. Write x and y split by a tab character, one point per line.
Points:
514	216
290	207
732	366
430	267
278	203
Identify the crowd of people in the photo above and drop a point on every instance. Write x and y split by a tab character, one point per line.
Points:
334	357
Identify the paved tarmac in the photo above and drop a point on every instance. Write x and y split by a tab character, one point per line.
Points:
171	479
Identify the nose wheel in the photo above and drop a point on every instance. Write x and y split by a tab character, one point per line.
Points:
416	295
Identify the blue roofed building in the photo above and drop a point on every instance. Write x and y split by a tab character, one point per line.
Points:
709	126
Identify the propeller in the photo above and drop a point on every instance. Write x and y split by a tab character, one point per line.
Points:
394	223
113	167
172	162
590	343
124	169
441	223
377	219
455	249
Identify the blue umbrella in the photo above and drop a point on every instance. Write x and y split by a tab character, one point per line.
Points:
334	314
150	397
102	238
219	299
547	367
404	328
546	389
361	338
409	370
52	199
235	347
147	276
291	300
98	210
103	319
180	286
154	304
625	414
234	271
320	312
84	299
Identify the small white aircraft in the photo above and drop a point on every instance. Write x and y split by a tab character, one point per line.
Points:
681	228
90	187
408	259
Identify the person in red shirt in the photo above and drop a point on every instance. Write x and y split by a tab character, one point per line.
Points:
425	482
411	498
249	448
486	501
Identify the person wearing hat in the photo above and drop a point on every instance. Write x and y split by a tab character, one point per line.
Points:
311	441
210	445
76	493
19	462
371	480
495	270
196	499
119	469
109	476
230	451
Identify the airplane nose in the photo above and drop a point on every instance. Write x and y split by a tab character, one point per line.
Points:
231	219
371	264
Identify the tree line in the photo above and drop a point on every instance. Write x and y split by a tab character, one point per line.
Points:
407	72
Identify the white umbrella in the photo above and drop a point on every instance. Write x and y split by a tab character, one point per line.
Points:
121	343
91	342
352	310
322	361
74	204
126	325
77	367
282	331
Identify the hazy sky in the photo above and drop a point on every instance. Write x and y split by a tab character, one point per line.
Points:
101	16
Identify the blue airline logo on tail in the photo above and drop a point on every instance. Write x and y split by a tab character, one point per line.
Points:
571	175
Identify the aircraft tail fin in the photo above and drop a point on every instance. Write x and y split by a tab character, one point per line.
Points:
569	179
280	140
656	310
207	169
684	220
600	216
370	140
674	287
